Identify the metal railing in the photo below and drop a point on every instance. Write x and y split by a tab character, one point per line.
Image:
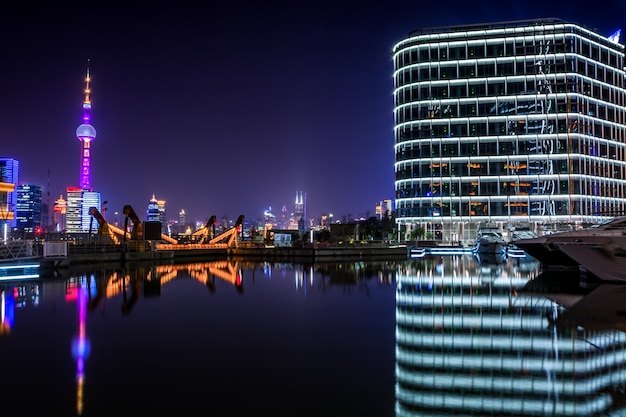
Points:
19	249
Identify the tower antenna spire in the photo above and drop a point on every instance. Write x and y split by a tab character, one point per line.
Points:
86	133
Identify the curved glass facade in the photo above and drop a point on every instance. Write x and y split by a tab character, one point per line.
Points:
508	123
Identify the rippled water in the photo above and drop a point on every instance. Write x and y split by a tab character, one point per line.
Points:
424	337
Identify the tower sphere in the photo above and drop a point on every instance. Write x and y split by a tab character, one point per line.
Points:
85	131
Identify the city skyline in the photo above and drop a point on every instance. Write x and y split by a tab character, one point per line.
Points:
228	110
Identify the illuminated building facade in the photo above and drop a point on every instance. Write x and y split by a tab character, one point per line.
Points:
60	210
9	174
28	214
506	123
152	213
384	209
156	212
299	220
77	217
73	208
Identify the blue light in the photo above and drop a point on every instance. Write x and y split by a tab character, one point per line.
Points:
615	36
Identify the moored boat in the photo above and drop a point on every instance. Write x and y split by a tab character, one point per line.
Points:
599	249
489	240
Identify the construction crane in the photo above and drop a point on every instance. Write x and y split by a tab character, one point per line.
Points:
137	232
104	228
230	235
204	234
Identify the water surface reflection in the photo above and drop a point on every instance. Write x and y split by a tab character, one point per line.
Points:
504	340
434	336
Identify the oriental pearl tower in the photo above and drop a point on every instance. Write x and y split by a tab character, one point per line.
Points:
86	133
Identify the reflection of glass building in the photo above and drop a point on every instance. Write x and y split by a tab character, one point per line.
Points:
508	122
469	344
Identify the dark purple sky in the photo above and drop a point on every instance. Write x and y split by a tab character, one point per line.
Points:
225	109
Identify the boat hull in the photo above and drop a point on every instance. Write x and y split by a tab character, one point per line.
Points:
605	262
488	247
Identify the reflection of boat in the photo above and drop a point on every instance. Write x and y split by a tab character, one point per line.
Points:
594	307
601	309
605	260
549	251
489	240
490	258
518	234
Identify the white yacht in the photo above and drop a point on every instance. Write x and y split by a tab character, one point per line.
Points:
489	240
600	250
516	234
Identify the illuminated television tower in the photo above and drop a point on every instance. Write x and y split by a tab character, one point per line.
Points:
86	133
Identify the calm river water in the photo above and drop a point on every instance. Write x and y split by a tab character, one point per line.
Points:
433	336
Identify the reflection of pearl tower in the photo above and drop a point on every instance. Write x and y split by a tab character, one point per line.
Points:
86	133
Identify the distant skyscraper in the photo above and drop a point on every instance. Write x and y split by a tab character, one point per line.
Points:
86	133
10	174
90	199
60	207
284	218
383	208
162	212
77	217
156	212
152	214
182	222
73	210
28	211
300	210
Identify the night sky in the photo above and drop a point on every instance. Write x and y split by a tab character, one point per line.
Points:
226	108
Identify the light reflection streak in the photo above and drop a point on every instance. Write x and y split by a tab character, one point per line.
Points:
80	344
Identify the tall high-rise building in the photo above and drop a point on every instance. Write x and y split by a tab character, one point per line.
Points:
6	216
28	213
162	213
384	209
152	213
300	210
156	212
73	210
81	199
506	123
59	213
9	174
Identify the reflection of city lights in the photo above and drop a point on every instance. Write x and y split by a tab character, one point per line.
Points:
80	345
299	278
7	312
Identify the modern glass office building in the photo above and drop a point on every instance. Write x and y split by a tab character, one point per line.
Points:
9	174
508	123
28	211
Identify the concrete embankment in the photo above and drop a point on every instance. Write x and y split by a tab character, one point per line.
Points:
48	265
321	254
